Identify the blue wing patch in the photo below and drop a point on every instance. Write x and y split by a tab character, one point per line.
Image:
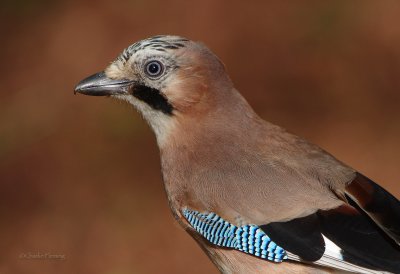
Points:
248	238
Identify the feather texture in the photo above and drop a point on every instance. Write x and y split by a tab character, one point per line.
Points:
248	238
361	257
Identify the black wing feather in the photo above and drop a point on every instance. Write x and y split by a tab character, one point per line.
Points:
300	236
381	206
363	242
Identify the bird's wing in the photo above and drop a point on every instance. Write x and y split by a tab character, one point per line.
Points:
305	202
344	238
362	233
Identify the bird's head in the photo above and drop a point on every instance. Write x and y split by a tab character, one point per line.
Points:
167	78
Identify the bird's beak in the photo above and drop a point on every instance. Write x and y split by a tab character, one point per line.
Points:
100	85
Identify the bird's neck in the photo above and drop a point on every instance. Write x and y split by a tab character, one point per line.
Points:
206	142
227	123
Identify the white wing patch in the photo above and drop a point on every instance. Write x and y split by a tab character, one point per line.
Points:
333	257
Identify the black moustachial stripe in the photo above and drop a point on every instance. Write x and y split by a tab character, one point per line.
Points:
153	98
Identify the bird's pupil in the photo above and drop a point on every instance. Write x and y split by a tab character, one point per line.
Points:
154	68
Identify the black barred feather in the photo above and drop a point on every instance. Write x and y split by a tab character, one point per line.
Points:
248	238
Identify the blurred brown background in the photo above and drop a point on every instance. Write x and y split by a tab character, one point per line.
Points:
79	176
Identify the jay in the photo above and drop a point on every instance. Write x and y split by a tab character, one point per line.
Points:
256	198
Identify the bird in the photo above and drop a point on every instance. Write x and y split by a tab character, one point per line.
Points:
255	197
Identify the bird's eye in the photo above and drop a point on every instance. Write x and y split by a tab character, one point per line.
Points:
154	69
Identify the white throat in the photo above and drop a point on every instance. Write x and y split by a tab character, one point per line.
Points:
160	123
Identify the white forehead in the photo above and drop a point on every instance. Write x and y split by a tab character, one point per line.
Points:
156	44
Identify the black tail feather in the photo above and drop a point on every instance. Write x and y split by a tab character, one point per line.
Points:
381	206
